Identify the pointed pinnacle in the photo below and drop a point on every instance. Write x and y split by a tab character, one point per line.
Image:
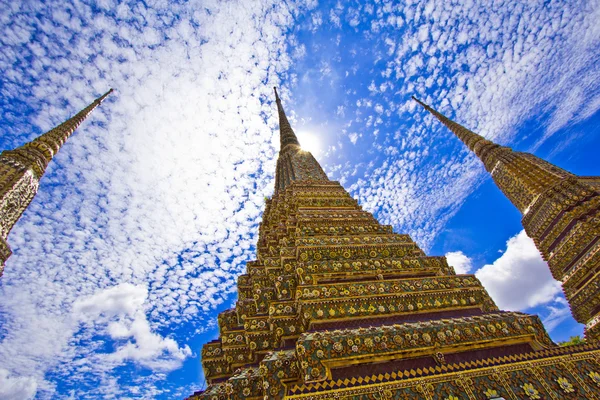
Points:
42	149
104	96
420	102
445	120
286	133
476	143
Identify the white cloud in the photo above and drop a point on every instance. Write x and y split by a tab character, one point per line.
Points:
519	278
334	18
461	263
148	213
119	312
16	388
124	299
558	312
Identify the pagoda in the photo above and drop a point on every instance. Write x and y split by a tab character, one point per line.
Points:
22	168
561	213
338	306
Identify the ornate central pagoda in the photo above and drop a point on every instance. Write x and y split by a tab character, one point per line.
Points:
339	306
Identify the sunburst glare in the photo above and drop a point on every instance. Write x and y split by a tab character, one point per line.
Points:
310	141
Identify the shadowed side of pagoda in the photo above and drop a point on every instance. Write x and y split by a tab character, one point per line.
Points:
339	306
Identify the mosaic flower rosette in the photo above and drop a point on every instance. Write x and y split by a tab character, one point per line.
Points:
395	304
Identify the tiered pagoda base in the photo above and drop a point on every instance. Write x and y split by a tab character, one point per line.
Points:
339	306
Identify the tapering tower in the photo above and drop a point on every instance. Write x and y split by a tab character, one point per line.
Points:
560	213
293	163
337	305
22	168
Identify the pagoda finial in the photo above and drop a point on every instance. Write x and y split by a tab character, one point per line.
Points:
476	143
286	133
21	170
293	163
44	147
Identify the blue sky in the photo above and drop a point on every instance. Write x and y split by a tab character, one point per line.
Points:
147	215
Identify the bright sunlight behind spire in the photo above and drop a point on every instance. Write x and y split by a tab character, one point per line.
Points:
310	141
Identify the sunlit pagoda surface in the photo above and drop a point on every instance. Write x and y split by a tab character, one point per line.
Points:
339	306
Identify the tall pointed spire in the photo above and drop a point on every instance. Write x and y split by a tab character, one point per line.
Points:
286	133
22	168
293	164
43	148
476	143
530	175
559	213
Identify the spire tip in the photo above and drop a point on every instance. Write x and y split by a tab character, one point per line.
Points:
104	96
276	95
419	101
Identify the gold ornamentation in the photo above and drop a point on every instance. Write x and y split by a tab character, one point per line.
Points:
559	213
21	170
595	376
530	391
326	270
565	385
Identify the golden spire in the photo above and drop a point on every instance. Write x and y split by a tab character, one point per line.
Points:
43	148
476	143
293	164
286	133
337	305
522	177
558	209
22	168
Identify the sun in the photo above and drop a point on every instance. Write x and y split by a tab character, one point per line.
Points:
309	141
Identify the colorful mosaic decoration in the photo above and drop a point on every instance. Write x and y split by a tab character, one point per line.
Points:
21	170
337	306
561	213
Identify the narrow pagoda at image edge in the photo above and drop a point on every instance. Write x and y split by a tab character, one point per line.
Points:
338	306
561	213
22	168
